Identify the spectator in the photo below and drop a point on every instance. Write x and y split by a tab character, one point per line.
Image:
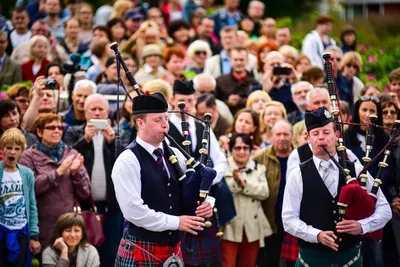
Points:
301	64
21	32
159	86
53	20
290	53
121	8
348	38
152	68
314	75
10	71
221	64
299	135
128	131
315	43
69	244
100	53
172	10
19	229
154	14
198	52
178	30
347	83
394	79
75	115
344	108
248	25
98	149
263	49
299	91
268	30
19	93
242	38
206	103
205	32
118	30
60	175
133	19
243	236
257	100
71	42
390	113
174	63
252	47
234	88
85	18
283	36
103	13
189	8
273	112
371	89
227	16
275	158
195	20
336	57
255	10
36	66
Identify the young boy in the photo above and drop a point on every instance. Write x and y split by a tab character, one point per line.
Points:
19	229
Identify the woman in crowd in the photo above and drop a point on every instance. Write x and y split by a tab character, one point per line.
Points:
245	121
118	30
194	19
120	8
72	43
174	63
273	112
61	178
299	134
85	18
245	234
290	53
69	244
247	25
11	118
348	38
126	127
390	113
263	50
371	89
36	65
178	30
198	51
19	93
257	100
152	67
314	75
100	52
301	64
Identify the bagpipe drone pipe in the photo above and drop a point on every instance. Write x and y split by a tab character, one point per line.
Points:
355	202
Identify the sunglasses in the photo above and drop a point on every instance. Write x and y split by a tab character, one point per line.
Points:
370	98
389	112
239	148
198	53
53	127
352	66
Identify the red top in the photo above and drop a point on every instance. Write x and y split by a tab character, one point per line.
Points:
27	73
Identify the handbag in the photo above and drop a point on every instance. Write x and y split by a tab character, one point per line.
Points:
94	223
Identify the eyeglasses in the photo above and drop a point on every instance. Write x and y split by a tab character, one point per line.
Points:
53	127
338	59
239	148
370	98
389	112
198	53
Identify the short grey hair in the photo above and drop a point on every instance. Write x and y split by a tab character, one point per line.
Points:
280	122
92	97
197	80
335	49
274	54
316	90
255	1
85	83
300	83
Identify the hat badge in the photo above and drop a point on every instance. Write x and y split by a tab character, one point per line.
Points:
327	114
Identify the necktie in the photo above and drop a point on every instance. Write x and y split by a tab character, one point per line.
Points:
159	154
327	178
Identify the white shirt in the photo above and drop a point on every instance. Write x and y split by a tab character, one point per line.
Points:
17	39
294	160
216	155
293	196
98	181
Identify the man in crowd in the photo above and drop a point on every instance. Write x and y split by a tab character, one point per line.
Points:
336	57
309	205
221	64
283	36
233	88
97	145
255	10
206	103
268	30
133	19
227	16
299	91
275	158
21	32
75	115
204	31
315	43
10	71
53	20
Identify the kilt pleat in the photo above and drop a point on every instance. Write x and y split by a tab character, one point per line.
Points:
290	248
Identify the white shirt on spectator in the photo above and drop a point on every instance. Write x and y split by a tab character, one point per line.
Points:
17	38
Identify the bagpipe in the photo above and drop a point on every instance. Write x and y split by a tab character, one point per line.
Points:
355	202
198	178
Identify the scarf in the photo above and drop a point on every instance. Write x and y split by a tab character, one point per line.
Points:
55	153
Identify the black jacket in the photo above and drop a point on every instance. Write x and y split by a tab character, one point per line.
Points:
74	137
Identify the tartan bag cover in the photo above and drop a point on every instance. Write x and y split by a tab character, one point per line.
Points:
290	249
130	253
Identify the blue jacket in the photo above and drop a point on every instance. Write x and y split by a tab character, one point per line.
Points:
28	182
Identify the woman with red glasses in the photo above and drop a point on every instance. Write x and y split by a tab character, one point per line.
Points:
60	176
390	113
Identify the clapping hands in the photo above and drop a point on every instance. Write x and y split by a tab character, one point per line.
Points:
71	163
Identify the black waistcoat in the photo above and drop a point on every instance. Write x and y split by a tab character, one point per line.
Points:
305	152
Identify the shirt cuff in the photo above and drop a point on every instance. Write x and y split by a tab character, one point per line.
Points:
314	235
172	222
364	226
210	200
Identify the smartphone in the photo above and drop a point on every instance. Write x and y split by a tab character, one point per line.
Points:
281	71
100	124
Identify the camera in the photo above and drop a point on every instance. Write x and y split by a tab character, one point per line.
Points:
281	71
51	84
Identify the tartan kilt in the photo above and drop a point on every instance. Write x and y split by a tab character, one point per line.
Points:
290	248
205	247
131	256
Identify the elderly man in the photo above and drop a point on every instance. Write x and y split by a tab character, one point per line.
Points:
299	92
275	158
96	144
336	57
311	197
75	115
10	71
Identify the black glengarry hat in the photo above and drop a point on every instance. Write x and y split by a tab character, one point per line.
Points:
183	88
317	118
149	103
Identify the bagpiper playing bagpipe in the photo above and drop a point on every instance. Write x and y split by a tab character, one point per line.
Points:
331	204
153	191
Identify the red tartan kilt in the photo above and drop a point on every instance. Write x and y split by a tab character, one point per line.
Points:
290	248
130	254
